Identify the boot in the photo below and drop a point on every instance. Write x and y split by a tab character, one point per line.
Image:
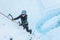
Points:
30	31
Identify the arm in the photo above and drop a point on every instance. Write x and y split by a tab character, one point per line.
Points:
17	17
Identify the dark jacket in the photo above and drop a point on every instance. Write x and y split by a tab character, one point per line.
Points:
23	19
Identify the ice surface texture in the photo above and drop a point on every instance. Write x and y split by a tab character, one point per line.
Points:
51	15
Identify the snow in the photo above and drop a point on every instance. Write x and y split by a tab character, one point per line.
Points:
43	18
9	29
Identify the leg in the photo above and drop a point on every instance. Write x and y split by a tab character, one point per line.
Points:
27	29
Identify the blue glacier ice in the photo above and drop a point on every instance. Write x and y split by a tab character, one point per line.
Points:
50	14
43	18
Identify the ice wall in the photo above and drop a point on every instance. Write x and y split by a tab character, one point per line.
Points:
53	14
